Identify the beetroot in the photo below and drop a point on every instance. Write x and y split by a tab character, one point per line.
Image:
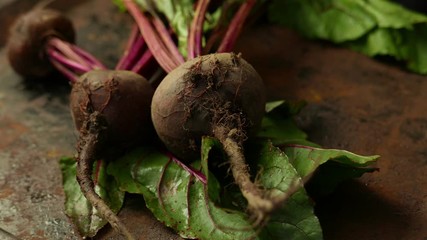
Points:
123	97
28	37
111	110
219	95
204	94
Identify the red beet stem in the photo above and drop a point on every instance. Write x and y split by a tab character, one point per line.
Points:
154	42
164	34
141	64
69	59
65	49
90	59
236	26
196	30
199	175
61	59
133	50
65	71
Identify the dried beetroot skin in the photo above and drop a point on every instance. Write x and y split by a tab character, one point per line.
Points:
122	97
204	93
28	36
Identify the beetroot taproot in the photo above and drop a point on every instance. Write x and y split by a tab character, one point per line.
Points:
111	110
218	95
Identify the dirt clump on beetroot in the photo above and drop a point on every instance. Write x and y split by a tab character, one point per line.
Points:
111	110
219	95
28	36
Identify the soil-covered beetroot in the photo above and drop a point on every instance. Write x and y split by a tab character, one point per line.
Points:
123	98
219	95
111	110
28	36
204	93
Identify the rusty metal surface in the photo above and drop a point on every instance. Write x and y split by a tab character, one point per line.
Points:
364	106
354	103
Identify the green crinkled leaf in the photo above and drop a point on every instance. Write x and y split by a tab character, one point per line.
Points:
296	220
375	27
342	20
175	198
213	185
330	174
85	217
306	156
380	41
403	44
184	204
391	15
333	166
307	159
196	210
335	20
279	126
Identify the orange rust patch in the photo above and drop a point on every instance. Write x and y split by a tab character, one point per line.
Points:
10	131
6	192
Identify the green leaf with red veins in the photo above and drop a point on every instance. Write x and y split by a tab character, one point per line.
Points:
216	210
86	218
176	198
307	159
329	166
183	203
279	126
296	219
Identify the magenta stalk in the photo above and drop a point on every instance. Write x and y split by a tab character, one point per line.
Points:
236	26
196	30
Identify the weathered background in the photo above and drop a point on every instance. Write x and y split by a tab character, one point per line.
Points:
354	103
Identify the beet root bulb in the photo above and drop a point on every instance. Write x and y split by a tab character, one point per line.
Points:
28	37
123	98
219	95
204	93
111	110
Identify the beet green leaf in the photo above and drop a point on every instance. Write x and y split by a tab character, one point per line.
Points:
296	218
217	210
188	206
279	126
85	217
307	159
375	27
176	198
